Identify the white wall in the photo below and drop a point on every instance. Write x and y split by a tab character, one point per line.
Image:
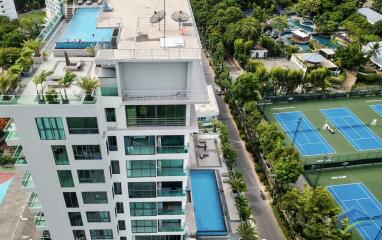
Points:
7	8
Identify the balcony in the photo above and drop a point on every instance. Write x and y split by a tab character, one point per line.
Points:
34	202
171	149
160	122
27	181
171	211
34	99
171	172
171	193
40	221
197	96
171	228
140	150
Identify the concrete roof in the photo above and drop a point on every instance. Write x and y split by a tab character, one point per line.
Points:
210	109
320	60
300	33
371	15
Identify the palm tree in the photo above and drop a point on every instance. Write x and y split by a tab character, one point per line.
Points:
247	231
35	45
237	183
88	85
66	81
39	79
8	80
374	50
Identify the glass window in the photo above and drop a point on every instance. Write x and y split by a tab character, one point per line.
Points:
139	145
115	167
60	155
144	226
123	238
121	225
100	216
171	167
117	188
141	168
160	115
91	176
112	143
110	115
143	209
79	234
50	128
101	234
70	199
171	144
87	152
75	218
142	189
94	197
82	125
66	178
119	207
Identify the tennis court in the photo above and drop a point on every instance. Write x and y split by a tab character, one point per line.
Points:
361	207
302	133
377	109
353	129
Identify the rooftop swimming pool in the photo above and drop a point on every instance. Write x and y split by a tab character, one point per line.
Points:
82	31
3	189
207	204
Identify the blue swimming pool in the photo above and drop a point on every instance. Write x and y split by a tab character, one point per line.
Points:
207	204
82	31
3	189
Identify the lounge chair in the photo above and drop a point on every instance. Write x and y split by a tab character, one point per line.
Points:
99	2
75	67
88	2
80	2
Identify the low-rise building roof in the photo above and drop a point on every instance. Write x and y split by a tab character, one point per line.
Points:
371	15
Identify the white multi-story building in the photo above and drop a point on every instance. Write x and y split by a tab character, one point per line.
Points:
116	165
7	8
53	8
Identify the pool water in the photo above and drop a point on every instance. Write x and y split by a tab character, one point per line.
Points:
3	189
207	204
82	31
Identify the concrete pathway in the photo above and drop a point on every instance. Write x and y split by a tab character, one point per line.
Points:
266	222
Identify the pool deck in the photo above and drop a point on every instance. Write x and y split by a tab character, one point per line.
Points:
20	220
214	161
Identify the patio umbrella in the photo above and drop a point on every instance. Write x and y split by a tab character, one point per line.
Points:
180	16
157	17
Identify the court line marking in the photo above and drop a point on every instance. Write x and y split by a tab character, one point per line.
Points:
355	145
328	147
281	108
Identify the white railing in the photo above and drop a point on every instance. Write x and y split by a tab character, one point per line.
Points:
198	95
149	54
109	22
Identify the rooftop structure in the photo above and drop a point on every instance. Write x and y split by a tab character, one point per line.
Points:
307	61
377	58
371	15
207	112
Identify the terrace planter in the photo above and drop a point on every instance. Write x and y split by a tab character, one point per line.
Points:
28	73
38	60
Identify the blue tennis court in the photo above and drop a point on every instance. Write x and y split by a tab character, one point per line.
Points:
360	206
377	108
353	129
301	131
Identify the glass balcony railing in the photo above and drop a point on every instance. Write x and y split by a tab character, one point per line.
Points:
109	91
181	121
34	202
171	172
10	131
19	157
172	149
26	180
140	150
40	220
171	211
171	193
171	228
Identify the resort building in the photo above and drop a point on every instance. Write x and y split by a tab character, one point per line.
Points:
371	15
7	8
113	162
309	61
299	36
53	8
376	58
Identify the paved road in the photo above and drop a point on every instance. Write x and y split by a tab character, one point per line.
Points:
267	225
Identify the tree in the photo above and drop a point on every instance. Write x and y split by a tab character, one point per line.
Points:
67	80
252	65
280	23
39	79
319	78
8	81
286	80
246	88
35	45
8	56
88	85
247	231
291	49
236	181
374	50
274	50
350	57
269	136
307	7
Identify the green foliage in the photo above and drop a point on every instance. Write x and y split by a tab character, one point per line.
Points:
26	6
279	22
274	49
8	56
369	78
33	44
360	29
252	65
350	56
313	213
246	88
88	85
8	81
319	78
39	79
291	49
242	50
51	95
7	160
286	80
306	7
246	231
378	28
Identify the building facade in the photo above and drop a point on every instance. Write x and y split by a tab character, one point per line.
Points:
115	166
7	8
53	8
